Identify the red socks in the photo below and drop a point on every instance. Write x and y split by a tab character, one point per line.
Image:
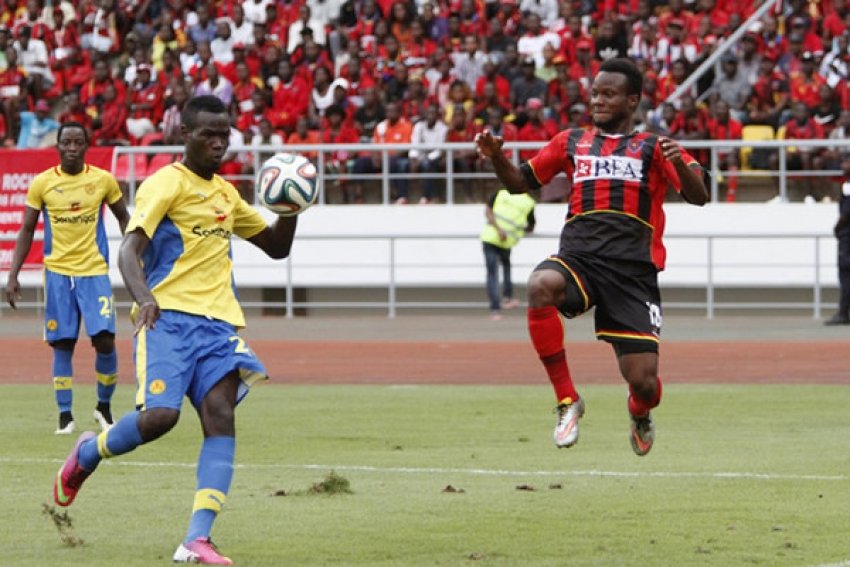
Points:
547	335
640	408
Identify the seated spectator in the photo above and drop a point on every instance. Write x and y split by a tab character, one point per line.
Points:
803	126
367	117
75	111
305	20
805	85
171	118
241	29
430	133
469	63
36	126
395	129
691	123
731	86
303	135
835	155
463	161
205	29
249	121
266	136
215	85
660	122
12	91
827	110
585	66
675	45
492	75
33	57
222	45
770	97
145	104
340	162
92	91
100	28
110	125
535	129
244	88
723	127
527	86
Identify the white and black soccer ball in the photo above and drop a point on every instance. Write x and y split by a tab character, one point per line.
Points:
287	184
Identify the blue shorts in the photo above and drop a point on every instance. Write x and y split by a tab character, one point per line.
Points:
186	355
67	299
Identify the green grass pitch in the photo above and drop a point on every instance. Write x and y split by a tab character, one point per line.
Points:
739	476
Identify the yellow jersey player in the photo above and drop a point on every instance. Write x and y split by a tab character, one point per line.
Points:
71	196
176	263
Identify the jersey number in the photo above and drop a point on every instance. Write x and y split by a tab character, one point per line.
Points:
105	306
241	347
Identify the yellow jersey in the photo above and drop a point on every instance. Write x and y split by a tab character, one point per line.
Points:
75	242
190	221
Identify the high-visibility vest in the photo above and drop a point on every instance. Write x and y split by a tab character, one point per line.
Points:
511	211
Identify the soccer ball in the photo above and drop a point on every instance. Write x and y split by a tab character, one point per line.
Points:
286	184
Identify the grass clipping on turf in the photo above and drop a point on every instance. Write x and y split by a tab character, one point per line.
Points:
63	524
330	485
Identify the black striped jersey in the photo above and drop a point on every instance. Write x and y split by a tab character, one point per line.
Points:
618	187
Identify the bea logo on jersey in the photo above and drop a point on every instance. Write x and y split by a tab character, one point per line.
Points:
590	168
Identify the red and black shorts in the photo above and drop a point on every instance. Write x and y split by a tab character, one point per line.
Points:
625	294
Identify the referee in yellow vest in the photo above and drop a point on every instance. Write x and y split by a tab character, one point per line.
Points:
509	218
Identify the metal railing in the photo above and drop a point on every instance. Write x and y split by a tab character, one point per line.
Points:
387	275
451	177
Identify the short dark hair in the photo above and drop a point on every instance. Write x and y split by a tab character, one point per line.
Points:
65	125
626	67
203	103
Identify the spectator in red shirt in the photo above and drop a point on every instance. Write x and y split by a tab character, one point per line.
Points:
249	121
803	126
806	84
74	111
771	95
110	126
340	162
691	123
535	129
146	104
463	161
12	84
723	127
244	87
492	75
304	135
92	91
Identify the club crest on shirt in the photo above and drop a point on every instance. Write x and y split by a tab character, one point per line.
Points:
90	189
634	146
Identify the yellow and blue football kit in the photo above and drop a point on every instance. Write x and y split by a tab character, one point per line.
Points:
188	267
76	251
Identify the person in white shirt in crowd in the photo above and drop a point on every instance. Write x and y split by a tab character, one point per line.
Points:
33	57
222	45
305	20
532	42
215	84
430	134
469	63
255	10
241	29
546	10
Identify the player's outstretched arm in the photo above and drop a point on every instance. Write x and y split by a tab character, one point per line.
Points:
490	147
693	188
276	240
130	264
22	248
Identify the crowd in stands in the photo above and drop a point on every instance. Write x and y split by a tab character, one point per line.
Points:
421	71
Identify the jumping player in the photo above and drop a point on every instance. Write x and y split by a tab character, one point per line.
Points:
610	248
76	266
186	318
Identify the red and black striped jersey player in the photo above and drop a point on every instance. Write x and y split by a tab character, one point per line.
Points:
610	249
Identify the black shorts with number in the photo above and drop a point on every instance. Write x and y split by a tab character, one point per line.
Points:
625	294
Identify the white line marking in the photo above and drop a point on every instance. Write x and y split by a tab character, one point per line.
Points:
841	564
474	472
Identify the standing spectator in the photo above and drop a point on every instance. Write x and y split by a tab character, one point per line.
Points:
430	134
76	264
611	248
509	217
186	335
204	30
842	234
36	126
530	45
305	21
145	105
723	127
805	85
535	129
241	29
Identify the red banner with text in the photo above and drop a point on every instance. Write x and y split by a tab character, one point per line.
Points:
17	170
